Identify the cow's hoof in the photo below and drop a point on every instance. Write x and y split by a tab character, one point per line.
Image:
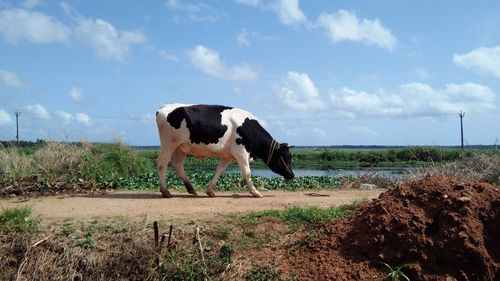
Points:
165	193
192	191
256	194
210	194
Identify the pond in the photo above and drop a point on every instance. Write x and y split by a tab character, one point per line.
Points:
387	172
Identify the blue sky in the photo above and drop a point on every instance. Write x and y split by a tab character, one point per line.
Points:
313	72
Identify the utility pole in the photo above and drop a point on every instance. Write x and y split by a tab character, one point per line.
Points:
18	113
461	115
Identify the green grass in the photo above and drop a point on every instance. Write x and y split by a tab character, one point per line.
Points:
17	220
124	167
102	163
302	215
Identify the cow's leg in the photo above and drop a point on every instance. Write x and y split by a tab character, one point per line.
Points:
178	165
244	165
213	183
162	164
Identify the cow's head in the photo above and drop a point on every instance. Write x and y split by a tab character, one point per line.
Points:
281	161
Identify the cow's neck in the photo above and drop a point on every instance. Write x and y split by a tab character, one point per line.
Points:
257	140
266	148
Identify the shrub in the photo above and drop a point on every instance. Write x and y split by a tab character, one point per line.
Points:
14	164
111	162
480	166
57	159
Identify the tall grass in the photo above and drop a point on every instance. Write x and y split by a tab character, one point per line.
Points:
14	164
72	162
482	167
59	159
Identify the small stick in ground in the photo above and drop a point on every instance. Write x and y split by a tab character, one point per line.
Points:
197	236
169	236
155	228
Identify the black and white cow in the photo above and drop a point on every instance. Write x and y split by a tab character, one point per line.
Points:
215	130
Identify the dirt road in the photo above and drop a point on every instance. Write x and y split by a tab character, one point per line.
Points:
139	205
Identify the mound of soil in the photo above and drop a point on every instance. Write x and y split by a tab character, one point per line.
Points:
441	228
33	187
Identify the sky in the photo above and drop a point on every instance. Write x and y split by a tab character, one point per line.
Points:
313	72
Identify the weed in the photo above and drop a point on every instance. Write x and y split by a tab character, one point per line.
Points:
17	220
86	242
481	166
264	273
302	215
14	164
396	273
67	229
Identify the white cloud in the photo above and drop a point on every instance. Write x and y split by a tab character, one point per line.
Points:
197	12
244	37
65	116
105	40
18	24
319	132
299	92
289	12
421	72
30	4
485	60
76	94
364	131
345	26
83	118
413	100
209	62
38	111
249	2
13	80
5	118
168	56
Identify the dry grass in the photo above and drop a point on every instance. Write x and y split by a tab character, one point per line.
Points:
113	251
13	164
58	158
479	167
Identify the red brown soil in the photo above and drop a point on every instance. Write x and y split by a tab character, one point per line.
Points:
441	228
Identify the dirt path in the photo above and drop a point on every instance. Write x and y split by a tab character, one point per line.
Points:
139	205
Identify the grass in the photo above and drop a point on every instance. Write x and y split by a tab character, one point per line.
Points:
122	249
73	162
302	216
120	166
481	167
17	220
396	273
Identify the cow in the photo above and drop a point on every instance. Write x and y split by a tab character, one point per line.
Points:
229	133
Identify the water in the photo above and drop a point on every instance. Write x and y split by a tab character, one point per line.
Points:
382	172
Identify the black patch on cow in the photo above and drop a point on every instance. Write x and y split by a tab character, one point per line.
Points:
255	138
202	121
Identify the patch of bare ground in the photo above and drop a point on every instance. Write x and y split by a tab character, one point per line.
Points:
140	205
